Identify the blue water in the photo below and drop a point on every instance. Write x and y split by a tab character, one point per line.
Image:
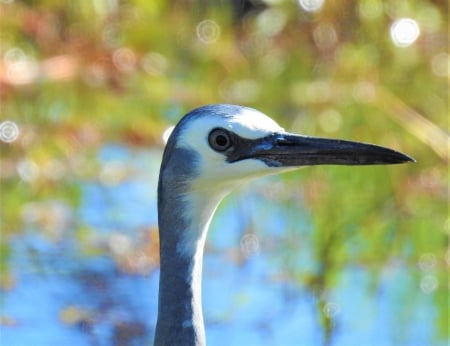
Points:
248	296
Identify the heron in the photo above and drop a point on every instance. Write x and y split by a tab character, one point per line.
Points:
212	150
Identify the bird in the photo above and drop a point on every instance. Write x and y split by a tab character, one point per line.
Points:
212	150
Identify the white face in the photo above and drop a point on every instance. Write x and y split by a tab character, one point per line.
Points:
215	171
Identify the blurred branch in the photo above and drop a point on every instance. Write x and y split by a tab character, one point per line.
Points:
422	128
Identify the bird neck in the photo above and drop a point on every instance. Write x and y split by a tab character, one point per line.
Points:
183	224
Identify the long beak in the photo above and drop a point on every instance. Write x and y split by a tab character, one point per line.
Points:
290	150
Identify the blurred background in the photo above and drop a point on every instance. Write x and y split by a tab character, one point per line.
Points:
325	256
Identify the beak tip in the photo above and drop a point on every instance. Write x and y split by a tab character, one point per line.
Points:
407	158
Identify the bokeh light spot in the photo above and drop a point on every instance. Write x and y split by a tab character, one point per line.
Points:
249	244
120	244
325	36
22	72
330	120
427	262
271	22
208	31
124	59
95	75
311	5
440	65
14	55
429	284
112	173
20	68
28	170
9	131
331	309
111	35
404	32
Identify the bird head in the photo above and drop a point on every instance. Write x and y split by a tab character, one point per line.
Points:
220	146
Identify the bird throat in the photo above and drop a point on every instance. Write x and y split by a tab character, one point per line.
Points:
182	238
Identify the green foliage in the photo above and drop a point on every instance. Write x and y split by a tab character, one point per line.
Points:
77	75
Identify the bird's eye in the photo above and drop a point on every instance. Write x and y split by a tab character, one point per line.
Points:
220	140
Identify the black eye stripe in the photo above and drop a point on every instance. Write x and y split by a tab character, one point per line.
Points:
220	140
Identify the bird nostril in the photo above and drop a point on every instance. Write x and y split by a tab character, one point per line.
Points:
283	142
